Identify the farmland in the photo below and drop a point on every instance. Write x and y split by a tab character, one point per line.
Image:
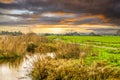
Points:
107	46
108	41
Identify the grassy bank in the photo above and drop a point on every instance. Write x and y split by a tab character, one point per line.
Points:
76	57
16	46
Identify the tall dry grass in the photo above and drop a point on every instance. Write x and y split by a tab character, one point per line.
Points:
63	69
11	46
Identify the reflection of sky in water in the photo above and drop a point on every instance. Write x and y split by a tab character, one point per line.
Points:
13	69
8	74
17	69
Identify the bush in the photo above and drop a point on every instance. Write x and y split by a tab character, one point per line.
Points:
46	48
74	51
68	51
31	47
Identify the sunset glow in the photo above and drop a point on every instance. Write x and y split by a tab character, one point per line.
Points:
52	16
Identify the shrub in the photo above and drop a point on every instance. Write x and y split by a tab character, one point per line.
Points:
46	48
67	51
73	51
31	47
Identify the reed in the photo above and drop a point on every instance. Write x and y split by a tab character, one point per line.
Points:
63	69
12	46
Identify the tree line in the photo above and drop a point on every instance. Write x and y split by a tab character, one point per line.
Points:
15	33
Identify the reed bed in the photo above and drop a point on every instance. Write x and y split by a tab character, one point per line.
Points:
63	69
15	46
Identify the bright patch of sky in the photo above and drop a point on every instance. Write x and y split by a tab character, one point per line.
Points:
58	15
21	12
6	18
16	11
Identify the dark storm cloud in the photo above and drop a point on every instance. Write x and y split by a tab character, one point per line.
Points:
109	8
90	21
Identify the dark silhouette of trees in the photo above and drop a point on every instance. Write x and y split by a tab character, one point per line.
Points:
118	32
92	34
11	33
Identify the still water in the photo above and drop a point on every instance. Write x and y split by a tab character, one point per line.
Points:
14	69
18	69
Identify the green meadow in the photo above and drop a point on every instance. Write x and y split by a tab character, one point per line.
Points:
106	47
110	41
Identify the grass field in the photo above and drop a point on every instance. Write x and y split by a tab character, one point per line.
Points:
108	47
109	41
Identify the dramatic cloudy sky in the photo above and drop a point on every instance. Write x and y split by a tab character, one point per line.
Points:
60	16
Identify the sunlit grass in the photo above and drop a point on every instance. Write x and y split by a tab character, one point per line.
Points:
71	61
108	41
62	69
14	46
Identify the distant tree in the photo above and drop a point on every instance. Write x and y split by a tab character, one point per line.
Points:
118	32
31	33
72	34
92	34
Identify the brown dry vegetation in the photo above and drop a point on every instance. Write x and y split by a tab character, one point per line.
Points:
63	69
12	46
15	46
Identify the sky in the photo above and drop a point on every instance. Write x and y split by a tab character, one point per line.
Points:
60	16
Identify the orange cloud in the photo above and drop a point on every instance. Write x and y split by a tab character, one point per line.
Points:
62	13
102	17
7	1
59	30
71	26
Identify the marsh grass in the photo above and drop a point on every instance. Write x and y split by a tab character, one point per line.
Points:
13	63
67	51
70	62
14	46
63	69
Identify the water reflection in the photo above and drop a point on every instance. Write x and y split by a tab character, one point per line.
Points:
8	74
13	63
13	69
18	68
